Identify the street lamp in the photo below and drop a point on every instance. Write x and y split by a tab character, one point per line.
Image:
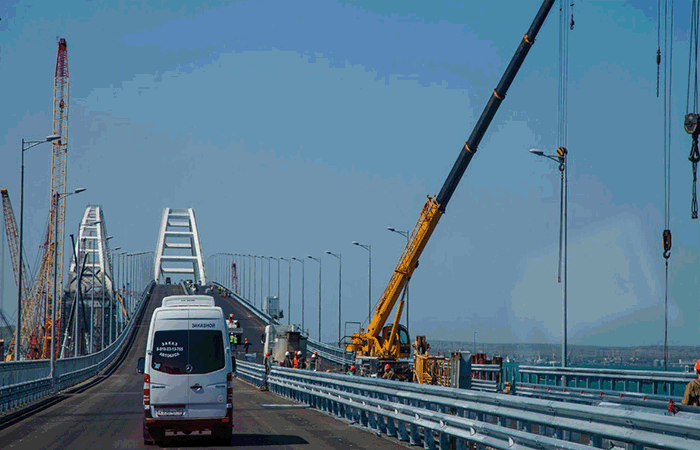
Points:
302	290
112	317
340	278
475	342
57	197
269	276
278	277
289	290
26	145
105	256
407	236
560	158
318	260
369	284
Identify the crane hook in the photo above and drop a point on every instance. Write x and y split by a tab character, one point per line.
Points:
667	243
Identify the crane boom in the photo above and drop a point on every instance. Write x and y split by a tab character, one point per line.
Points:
59	164
372	343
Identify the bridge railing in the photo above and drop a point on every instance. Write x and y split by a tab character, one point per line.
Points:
22	382
642	384
434	416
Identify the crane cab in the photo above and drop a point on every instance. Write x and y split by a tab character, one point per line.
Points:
403	341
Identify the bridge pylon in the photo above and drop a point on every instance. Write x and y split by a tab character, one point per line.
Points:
179	251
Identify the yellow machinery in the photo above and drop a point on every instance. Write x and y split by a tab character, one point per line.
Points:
381	344
429	369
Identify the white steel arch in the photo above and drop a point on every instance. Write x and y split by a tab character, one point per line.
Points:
92	241
178	250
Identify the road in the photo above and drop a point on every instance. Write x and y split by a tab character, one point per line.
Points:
109	415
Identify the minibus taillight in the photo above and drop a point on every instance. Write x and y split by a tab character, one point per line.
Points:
146	389
229	388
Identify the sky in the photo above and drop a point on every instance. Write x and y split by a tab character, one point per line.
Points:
293	128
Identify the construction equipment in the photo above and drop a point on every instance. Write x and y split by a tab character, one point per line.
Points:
38	300
379	343
427	368
279	339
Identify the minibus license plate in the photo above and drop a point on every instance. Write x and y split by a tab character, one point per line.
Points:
171	412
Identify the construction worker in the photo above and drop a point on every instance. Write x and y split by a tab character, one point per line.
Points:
302	360
246	344
351	371
296	361
692	390
287	360
314	361
389	373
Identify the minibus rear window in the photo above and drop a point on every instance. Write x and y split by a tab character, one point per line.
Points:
206	351
170	351
188	352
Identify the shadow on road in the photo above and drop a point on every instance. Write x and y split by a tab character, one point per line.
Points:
239	440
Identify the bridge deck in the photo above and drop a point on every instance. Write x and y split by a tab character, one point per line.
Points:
109	414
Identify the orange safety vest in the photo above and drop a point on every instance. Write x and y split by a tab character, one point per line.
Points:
296	362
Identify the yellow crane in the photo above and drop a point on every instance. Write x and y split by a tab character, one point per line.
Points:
384	344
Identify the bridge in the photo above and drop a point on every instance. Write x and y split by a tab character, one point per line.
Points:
70	380
92	395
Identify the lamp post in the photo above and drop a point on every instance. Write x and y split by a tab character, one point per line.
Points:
122	278
57	197
560	158
340	278
26	145
269	276
318	260
475	342
102	304
112	317
369	283
302	290
250	277
262	279
289	291
278	277
255	278
407	236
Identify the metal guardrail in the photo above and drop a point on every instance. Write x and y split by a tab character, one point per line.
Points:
645	383
435	416
22	382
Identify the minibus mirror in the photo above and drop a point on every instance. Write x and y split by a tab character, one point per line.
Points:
141	365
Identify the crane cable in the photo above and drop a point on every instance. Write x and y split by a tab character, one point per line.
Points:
691	115
563	126
668	84
658	45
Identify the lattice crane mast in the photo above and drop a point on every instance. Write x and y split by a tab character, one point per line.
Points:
36	305
59	164
13	244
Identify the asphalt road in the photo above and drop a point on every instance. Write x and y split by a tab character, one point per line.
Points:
109	415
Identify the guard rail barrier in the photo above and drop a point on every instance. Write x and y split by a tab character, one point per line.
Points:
22	382
435	415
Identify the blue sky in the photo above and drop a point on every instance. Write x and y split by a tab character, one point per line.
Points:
295	128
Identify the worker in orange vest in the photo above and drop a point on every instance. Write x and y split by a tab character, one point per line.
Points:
296	361
246	345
